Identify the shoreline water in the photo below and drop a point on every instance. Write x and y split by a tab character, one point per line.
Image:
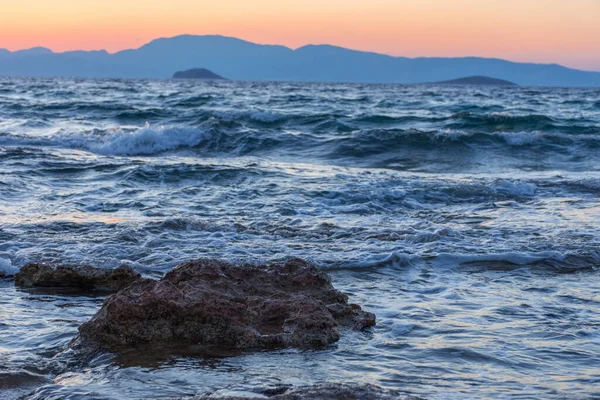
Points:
465	219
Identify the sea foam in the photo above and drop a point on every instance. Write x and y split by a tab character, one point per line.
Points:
149	140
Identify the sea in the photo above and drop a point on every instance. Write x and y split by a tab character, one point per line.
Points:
466	218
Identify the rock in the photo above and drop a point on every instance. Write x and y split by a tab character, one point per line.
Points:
65	276
197	73
478	81
224	306
5	276
327	391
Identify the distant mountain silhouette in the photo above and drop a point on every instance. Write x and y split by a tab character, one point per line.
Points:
477	80
36	51
242	60
197	73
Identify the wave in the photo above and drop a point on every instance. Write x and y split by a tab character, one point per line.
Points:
195	101
516	189
473	117
370	142
218	137
7	267
465	121
149	141
541	262
549	261
316	136
256	116
501	122
145	141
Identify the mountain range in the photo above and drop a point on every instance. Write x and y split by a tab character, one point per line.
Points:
243	60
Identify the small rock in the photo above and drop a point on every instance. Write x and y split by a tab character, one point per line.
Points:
65	276
197	73
6	275
327	391
220	305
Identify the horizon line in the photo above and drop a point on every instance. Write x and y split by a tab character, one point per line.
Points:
292	49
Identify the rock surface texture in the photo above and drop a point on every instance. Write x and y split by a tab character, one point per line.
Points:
328	391
220	305
66	276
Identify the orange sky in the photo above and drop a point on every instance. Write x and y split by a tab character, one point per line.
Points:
561	31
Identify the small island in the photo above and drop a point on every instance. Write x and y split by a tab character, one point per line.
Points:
197	73
477	80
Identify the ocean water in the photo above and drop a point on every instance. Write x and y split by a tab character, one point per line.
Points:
466	218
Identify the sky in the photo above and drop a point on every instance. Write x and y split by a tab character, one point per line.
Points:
566	32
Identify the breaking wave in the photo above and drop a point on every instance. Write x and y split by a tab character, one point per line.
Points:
221	138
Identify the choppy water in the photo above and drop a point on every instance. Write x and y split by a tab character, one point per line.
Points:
467	219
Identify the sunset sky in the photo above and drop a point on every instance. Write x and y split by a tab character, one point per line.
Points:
558	31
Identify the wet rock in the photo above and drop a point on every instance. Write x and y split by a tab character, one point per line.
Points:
65	276
328	391
220	305
6	275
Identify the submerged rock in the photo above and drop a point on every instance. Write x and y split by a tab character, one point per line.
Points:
220	305
66	276
327	391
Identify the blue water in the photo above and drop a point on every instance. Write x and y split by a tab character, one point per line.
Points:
466	218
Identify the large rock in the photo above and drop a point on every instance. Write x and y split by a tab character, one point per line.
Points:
65	276
328	391
220	305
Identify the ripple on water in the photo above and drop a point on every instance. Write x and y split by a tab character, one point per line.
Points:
466	219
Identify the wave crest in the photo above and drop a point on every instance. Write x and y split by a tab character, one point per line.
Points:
150	140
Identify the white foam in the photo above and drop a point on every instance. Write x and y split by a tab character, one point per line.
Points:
7	267
149	140
143	141
394	193
514	188
520	138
